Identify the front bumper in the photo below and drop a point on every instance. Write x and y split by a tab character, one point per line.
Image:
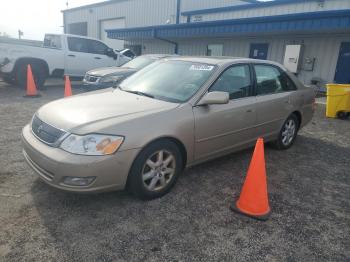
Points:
54	164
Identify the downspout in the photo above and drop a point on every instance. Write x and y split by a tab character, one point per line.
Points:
176	45
178	10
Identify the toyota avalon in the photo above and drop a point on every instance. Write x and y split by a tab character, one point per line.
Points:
175	113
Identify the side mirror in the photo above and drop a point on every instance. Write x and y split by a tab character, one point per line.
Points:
109	52
213	98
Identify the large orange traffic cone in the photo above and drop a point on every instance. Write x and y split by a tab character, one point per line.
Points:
253	200
67	87
31	87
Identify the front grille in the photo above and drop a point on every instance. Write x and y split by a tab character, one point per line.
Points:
46	132
92	79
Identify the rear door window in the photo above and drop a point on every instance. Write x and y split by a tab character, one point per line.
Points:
272	80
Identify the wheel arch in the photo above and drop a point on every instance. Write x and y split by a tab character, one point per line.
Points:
179	144
31	60
175	140
299	117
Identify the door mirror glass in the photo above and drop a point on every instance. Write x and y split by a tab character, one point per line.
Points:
110	52
214	98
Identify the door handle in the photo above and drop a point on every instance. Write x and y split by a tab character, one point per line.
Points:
97	57
249	110
71	55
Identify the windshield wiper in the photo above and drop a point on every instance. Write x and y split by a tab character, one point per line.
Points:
137	93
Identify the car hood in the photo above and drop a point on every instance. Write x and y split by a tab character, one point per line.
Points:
75	113
113	70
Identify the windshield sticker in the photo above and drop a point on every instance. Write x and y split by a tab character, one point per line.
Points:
201	67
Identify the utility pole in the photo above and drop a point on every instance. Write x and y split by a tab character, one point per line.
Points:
20	34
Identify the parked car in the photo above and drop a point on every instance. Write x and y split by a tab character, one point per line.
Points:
60	55
127	52
110	76
173	114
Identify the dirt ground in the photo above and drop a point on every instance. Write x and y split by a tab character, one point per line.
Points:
309	189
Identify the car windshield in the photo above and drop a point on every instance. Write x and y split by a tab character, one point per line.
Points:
139	62
172	81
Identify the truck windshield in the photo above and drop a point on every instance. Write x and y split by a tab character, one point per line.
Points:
172	81
139	62
52	41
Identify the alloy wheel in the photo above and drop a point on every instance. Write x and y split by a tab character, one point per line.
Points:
288	132
158	170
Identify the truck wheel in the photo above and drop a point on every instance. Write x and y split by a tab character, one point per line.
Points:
39	74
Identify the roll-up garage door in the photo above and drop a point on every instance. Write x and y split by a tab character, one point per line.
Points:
112	24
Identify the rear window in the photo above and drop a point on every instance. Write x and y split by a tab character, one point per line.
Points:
52	41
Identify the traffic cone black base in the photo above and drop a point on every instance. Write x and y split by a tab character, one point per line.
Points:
234	208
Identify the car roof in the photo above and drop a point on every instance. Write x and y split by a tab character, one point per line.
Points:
158	56
222	60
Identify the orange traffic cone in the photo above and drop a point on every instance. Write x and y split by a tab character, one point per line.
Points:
67	87
31	87
253	200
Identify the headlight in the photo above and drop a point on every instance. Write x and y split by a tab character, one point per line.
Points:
93	144
110	79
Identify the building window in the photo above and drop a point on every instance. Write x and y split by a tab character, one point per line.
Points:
215	50
78	28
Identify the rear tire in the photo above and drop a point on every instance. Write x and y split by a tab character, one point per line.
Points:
288	133
152	176
39	74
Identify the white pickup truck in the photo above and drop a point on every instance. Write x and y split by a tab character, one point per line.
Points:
61	54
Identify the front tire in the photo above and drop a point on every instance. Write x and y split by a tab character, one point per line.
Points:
288	133
155	170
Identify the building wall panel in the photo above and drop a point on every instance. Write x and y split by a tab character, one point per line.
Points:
324	48
301	7
137	13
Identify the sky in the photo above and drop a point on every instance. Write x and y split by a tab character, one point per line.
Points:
35	17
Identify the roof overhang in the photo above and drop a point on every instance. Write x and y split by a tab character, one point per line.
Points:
337	20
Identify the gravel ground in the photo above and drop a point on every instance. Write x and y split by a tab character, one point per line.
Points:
309	188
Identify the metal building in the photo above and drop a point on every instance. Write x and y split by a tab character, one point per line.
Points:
311	37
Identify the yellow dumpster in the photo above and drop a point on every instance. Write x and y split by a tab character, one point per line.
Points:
338	101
